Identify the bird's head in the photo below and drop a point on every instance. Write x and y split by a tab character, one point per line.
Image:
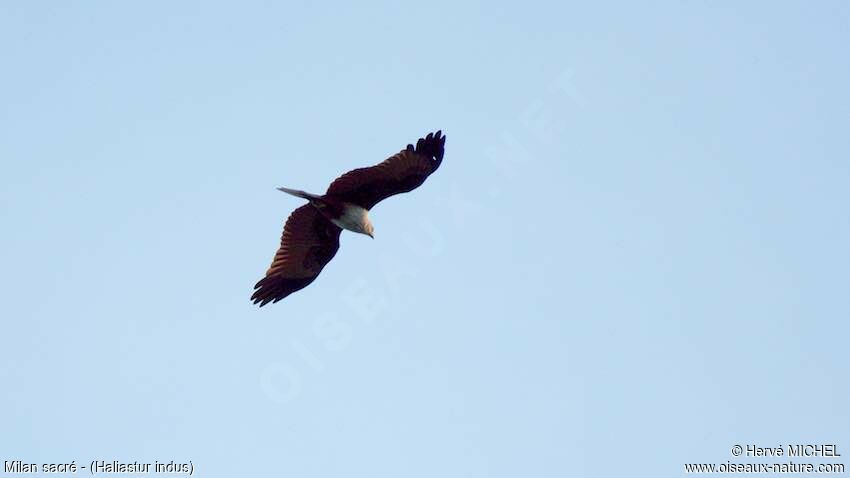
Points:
356	219
362	224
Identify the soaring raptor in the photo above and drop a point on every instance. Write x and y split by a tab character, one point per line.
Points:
311	234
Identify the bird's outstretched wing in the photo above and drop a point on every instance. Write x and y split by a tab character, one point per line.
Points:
400	173
309	242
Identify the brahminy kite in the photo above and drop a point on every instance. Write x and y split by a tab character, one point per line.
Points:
311	234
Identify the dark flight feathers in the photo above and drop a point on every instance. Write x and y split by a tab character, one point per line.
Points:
310	241
400	173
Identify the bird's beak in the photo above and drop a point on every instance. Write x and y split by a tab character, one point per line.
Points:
370	235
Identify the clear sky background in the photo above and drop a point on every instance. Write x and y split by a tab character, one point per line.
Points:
635	255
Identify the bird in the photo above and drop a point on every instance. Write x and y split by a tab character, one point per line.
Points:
311	233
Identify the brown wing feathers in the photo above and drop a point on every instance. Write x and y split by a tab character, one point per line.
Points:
309	242
401	173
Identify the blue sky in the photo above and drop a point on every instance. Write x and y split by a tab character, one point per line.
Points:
634	256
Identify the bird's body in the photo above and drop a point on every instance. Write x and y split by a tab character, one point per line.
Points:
355	219
311	234
345	215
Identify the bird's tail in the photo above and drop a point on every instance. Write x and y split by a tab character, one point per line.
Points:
301	194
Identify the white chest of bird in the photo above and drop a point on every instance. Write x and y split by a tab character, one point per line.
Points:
356	219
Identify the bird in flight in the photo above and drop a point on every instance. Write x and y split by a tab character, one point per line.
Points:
311	234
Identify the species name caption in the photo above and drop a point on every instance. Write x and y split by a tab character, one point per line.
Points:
96	467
